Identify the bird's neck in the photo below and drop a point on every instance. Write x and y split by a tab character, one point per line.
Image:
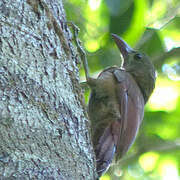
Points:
146	86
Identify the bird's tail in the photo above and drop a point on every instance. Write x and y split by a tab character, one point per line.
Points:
105	151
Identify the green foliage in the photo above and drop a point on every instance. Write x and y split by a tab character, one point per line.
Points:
153	27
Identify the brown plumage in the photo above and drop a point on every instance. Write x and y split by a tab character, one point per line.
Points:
116	104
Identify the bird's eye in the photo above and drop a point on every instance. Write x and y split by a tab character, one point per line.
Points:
137	56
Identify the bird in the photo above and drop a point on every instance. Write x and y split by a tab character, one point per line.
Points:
116	103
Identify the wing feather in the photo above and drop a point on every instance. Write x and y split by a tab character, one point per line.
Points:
131	105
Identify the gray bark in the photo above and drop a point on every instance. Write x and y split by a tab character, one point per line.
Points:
44	131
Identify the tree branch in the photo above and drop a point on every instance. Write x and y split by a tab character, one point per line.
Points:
162	58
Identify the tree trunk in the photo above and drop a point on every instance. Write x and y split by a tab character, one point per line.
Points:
44	131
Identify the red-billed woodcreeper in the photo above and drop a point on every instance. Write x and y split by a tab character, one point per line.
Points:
116	104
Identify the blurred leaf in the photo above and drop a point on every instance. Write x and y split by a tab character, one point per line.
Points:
176	22
120	23
171	31
138	23
151	43
159	99
105	177
148	160
118	7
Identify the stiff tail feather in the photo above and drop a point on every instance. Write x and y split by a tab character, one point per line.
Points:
105	151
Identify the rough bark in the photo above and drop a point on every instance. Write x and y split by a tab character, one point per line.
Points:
43	125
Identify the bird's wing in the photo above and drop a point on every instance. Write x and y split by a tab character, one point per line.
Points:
131	106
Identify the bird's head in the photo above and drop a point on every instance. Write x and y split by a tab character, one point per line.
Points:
138	65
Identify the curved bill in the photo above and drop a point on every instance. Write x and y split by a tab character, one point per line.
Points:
124	48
